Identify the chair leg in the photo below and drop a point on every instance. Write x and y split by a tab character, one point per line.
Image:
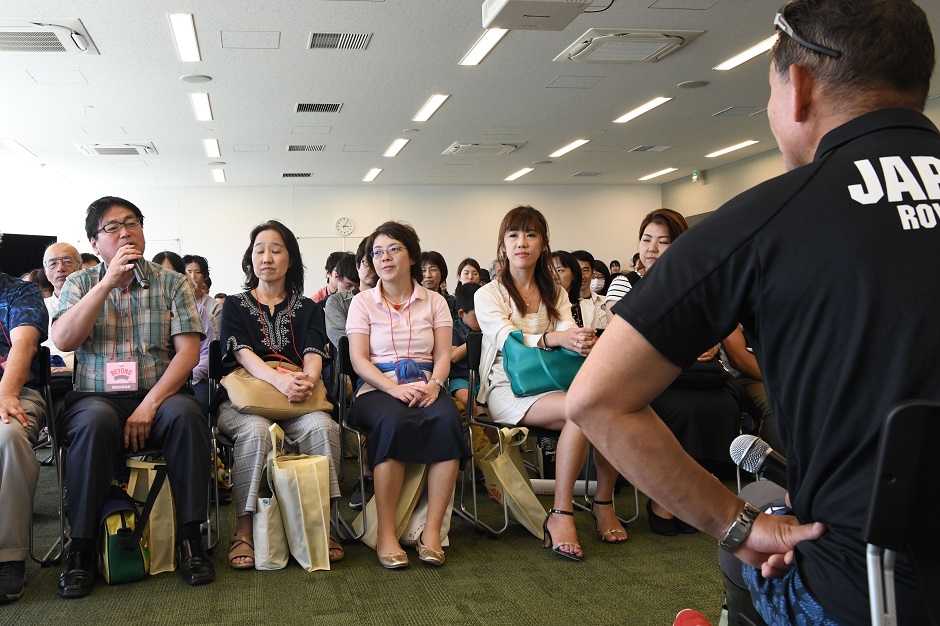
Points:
461	510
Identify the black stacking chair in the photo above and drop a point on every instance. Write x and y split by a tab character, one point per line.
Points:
905	490
345	371
54	555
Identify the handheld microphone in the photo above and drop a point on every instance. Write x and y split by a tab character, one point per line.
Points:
139	275
753	454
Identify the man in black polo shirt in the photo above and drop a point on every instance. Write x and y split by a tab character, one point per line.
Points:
840	334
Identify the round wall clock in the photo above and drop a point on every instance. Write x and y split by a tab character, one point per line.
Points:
344	226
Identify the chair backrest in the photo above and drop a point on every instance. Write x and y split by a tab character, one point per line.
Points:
906	493
215	374
474	348
343	358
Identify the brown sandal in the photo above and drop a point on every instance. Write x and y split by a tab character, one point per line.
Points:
336	551
241	546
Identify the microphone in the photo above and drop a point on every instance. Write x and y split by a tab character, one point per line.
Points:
139	275
754	455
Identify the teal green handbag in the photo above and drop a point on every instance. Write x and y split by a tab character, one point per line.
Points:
533	371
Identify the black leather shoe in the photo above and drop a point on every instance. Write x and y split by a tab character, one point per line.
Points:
79	574
665	526
195	566
685	528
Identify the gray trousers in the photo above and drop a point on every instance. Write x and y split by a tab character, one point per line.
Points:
19	472
94	428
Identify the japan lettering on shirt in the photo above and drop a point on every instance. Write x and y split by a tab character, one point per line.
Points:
899	179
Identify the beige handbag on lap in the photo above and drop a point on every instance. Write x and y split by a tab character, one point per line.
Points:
256	397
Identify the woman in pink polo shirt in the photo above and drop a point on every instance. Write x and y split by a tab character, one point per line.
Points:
399	343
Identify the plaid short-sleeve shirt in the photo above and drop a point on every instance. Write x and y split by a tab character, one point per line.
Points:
136	324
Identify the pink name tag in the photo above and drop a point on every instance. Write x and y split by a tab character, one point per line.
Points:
120	376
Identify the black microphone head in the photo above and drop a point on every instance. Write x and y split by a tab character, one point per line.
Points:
748	452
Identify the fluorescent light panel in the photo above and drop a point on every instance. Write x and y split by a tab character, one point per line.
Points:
748	54
184	34
571	146
218	175
520	173
430	107
201	107
483	47
375	171
659	173
212	148
16	147
640	110
396	147
737	146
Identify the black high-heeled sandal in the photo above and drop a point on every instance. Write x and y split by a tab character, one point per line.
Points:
557	547
620	533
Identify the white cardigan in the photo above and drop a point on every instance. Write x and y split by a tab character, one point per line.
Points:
494	307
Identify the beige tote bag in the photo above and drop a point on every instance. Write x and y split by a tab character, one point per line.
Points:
160	533
506	477
412	487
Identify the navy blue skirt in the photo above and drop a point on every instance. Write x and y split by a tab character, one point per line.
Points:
409	434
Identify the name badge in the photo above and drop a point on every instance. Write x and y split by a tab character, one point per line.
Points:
120	376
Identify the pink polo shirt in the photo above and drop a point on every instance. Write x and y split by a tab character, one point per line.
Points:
389	329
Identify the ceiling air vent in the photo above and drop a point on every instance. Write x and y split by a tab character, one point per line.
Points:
306	148
481	148
318	108
625	45
44	36
296	175
339	41
118	149
650	149
588	174
739	111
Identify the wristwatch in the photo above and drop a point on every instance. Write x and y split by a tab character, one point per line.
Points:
438	381
740	528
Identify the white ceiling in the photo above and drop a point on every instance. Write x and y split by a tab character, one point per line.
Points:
132	93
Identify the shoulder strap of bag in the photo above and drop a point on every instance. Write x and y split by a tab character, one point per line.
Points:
129	541
540	352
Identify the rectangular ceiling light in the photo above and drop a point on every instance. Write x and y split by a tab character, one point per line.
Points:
519	174
201	106
375	171
184	34
737	146
640	110
212	148
218	175
15	146
482	47
659	173
571	146
429	108
748	54
396	147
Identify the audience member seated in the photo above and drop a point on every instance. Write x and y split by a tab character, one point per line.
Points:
38	277
615	267
107	318
593	307
568	274
600	279
433	276
273	319
60	260
23	322
468	272
197	269
330	287
337	308
748	383
220	298
698	408
460	364
400	345
200	378
525	297
89	260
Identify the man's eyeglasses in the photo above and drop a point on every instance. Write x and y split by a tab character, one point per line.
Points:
66	262
130	223
392	250
780	23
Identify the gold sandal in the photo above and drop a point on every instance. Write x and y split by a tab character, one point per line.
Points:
619	533
241	546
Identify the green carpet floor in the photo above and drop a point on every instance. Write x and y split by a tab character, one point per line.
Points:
508	580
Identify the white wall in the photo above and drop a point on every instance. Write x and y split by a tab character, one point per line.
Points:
458	221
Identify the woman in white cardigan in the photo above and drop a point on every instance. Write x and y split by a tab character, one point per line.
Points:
525	297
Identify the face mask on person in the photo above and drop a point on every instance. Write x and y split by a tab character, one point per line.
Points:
597	284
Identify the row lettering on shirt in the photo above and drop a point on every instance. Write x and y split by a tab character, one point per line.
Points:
899	180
